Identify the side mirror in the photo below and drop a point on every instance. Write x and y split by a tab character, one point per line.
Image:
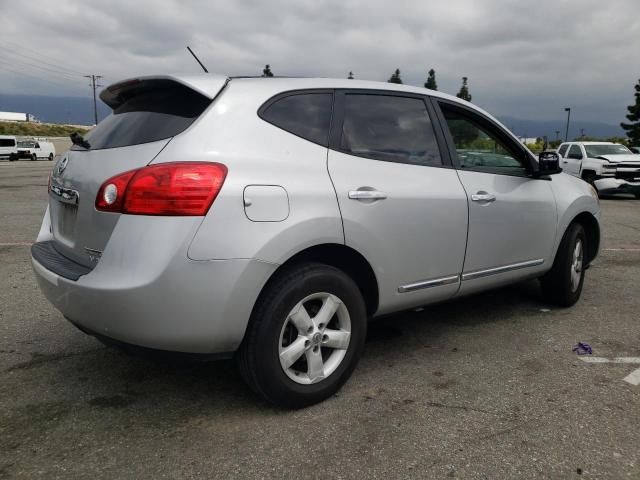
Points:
548	163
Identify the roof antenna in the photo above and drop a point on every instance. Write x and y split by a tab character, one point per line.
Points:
197	59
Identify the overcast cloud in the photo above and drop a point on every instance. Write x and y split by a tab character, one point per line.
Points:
523	59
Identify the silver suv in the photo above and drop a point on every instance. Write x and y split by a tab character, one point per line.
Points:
268	219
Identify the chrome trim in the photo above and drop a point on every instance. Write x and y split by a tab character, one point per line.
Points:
367	195
65	195
436	282
503	269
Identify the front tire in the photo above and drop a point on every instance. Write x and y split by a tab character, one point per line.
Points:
50	157
305	336
34	157
562	285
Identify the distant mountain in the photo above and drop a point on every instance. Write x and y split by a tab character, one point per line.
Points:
72	110
530	128
79	110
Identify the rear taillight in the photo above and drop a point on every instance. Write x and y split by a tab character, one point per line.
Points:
176	189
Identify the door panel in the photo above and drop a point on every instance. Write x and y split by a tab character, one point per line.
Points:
573	165
515	229
512	216
414	235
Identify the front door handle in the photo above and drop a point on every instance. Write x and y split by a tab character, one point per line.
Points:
367	195
483	197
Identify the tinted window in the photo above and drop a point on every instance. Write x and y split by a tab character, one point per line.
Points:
574	152
154	111
307	115
563	149
479	146
7	142
395	129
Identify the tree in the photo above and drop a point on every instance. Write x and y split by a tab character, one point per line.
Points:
350	77
431	81
464	90
267	71
395	78
633	128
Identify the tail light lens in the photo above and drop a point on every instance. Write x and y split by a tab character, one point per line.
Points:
171	189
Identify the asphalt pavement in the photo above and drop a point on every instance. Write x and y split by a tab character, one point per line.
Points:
484	387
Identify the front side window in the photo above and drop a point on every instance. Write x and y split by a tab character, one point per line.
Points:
574	152
563	149
478	146
307	115
389	128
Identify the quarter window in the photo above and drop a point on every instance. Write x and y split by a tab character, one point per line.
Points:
479	147
389	128
307	115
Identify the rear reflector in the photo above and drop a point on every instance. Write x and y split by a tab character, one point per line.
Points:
171	189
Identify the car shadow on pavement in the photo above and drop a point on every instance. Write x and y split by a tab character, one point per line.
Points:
119	380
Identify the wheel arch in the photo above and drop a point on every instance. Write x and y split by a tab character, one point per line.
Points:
592	231
342	257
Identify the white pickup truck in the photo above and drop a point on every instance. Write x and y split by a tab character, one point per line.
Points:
609	167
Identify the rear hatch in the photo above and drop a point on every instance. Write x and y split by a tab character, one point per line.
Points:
147	113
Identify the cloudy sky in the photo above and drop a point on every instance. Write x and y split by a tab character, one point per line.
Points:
524	59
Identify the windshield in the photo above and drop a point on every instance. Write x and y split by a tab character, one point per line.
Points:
26	144
599	150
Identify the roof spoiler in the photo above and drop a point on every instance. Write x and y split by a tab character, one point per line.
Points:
207	85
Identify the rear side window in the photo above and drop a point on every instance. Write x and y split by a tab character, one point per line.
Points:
307	115
7	142
389	128
148	112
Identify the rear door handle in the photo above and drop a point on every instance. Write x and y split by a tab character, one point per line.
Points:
367	195
483	197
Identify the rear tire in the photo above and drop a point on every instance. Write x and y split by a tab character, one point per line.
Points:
13	157
562	285
305	336
637	195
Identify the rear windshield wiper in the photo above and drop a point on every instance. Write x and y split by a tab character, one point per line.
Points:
77	139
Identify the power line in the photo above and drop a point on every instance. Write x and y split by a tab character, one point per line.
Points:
17	47
36	77
33	65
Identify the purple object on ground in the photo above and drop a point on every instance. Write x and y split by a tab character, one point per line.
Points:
582	349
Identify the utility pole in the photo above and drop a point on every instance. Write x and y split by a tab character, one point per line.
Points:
582	132
566	135
93	86
557	135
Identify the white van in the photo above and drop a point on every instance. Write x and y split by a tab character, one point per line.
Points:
35	149
8	147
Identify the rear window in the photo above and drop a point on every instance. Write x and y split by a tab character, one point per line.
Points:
7	142
149	112
307	115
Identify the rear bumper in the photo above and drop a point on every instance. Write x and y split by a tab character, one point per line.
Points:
616	185
156	297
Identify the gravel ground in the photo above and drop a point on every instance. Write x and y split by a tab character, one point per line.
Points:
484	387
